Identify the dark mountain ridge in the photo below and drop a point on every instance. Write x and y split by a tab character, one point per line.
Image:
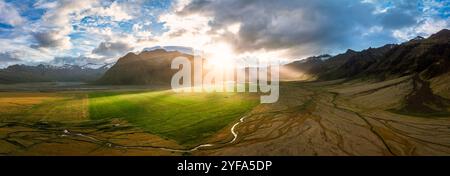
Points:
427	57
145	68
50	73
421	58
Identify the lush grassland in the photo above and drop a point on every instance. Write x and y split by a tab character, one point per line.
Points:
187	118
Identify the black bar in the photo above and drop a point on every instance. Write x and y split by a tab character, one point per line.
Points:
279	165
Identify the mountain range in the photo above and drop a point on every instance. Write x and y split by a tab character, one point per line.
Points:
416	73
428	57
425	60
50	73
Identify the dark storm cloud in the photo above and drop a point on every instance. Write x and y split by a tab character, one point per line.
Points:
397	19
112	48
302	25
401	14
50	39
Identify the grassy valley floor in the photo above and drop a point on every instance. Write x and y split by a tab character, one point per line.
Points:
114	122
317	118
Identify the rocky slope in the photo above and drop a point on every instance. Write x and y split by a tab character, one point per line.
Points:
145	68
428	57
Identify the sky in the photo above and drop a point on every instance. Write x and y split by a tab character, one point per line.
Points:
100	31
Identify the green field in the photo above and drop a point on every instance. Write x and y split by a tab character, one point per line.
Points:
188	118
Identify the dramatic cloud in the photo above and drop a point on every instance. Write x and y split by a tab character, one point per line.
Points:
433	16
55	25
51	39
9	14
43	30
303	26
112	48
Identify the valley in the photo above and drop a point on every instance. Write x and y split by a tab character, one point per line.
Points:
339	119
312	118
86	122
388	101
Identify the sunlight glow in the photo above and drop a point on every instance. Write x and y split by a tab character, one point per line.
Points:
220	55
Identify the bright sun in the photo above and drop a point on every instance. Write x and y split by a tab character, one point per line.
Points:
220	55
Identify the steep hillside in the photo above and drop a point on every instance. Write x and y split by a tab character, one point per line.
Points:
428	57
145	68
